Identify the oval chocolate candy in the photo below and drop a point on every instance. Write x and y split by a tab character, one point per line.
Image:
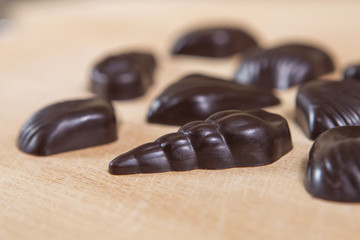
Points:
226	139
214	42
333	169
321	105
196	97
67	126
283	66
123	76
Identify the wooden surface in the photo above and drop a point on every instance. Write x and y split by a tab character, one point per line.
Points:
46	55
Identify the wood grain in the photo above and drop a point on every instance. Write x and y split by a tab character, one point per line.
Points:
46	55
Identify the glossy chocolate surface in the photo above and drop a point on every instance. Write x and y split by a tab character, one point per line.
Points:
283	66
196	97
226	139
67	126
352	72
321	105
124	76
214	42
333	169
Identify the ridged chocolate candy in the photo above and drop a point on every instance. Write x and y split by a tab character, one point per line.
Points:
214	42
68	126
196	97
123	76
226	139
283	66
321	105
333	169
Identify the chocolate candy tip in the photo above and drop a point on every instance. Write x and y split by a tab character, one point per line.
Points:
124	164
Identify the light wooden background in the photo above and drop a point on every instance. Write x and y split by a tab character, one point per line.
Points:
46	55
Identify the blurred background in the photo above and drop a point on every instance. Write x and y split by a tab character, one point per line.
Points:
49	41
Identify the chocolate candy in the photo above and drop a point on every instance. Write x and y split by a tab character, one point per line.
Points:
321	105
68	126
214	42
283	66
352	72
226	139
123	76
333	169
196	97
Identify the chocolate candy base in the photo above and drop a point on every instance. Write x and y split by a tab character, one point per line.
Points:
124	76
321	105
68	126
333	169
226	139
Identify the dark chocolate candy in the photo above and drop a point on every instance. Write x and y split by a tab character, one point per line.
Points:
352	72
214	42
123	76
333	169
68	126
196	97
283	66
226	139
321	105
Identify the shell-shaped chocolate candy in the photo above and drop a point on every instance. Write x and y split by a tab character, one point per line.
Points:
352	72
214	42
196	97
123	76
283	66
321	105
226	139
333	169
68	126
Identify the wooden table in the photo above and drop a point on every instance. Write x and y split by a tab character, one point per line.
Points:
46	55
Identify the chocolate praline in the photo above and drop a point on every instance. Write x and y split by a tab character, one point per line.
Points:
321	105
214	42
67	126
123	76
283	66
226	139
333	169
197	96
